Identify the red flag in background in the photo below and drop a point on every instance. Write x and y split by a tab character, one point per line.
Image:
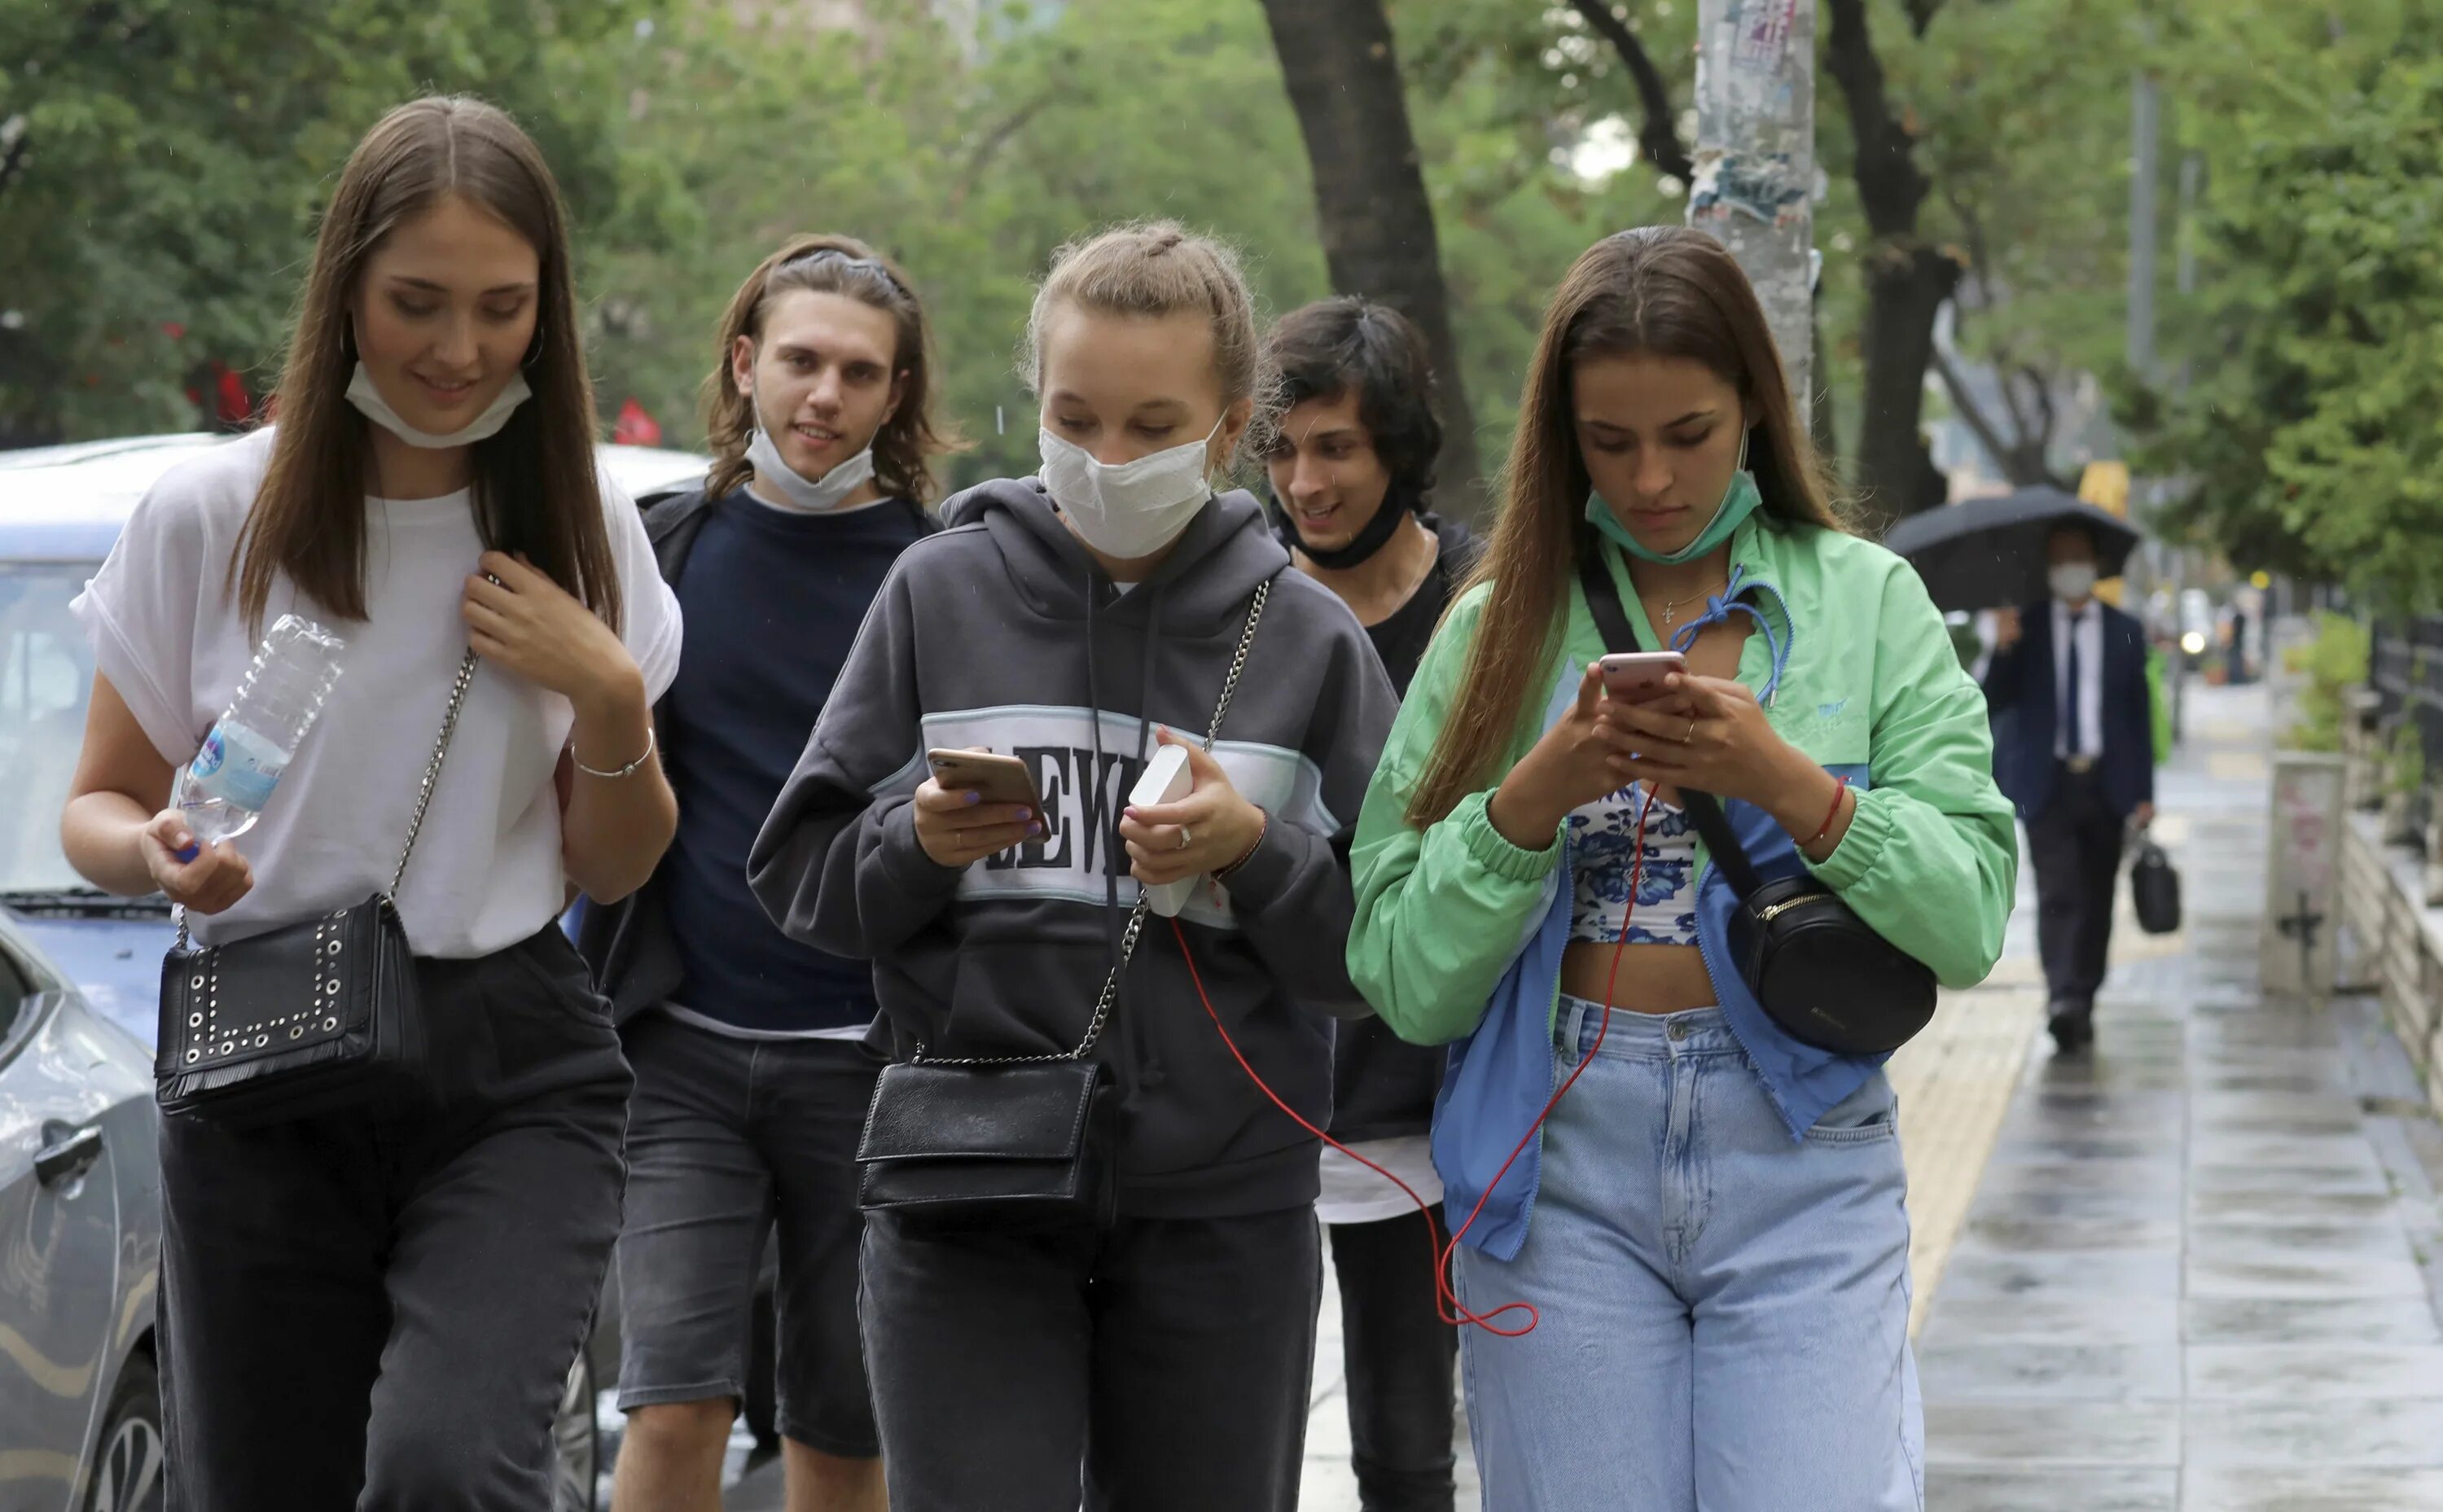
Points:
634	428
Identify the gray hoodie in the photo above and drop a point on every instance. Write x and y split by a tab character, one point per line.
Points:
980	637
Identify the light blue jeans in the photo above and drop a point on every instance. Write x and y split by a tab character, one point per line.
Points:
1725	1312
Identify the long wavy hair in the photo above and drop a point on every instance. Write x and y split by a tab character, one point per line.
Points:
534	484
1664	291
906	446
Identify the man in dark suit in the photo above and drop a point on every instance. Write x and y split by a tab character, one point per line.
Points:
2080	765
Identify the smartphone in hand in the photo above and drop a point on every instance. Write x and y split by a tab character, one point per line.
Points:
1637	676
999	778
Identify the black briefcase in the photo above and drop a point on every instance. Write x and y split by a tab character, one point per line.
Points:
2154	888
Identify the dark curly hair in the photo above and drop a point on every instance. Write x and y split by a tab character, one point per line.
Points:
1352	344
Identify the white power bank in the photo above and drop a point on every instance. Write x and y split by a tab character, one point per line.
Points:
1167	780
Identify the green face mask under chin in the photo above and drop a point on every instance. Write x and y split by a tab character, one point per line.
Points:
1740	500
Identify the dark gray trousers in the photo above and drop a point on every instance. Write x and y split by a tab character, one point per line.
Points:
2076	846
380	1311
1159	1366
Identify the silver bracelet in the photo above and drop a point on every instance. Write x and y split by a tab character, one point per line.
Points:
620	771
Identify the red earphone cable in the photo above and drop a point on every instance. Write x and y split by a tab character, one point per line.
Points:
1446	1301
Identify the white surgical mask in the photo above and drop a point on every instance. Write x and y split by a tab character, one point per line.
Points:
2071	581
815	496
370	404
1133	509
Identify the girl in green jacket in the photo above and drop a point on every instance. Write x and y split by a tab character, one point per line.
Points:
1711	1230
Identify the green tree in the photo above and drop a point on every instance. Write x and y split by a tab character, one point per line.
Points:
2308	439
161	163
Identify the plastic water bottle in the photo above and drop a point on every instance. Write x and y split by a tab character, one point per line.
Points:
223	790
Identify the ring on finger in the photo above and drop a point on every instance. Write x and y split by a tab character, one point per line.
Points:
1184	840
1690	738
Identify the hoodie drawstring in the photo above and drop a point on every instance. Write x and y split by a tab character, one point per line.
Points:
1719	609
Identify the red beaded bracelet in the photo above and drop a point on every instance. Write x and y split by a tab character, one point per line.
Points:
1840	791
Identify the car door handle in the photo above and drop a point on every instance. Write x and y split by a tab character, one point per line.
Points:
67	1152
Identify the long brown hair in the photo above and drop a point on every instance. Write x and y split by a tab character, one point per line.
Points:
1668	291
906	446
534	489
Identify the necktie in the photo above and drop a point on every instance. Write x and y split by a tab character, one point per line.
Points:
2073	716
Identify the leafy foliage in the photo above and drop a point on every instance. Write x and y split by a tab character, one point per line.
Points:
2312	439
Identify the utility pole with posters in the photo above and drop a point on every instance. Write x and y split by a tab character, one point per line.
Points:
1756	160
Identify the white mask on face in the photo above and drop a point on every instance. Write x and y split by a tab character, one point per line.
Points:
816	495
2071	581
370	404
1133	509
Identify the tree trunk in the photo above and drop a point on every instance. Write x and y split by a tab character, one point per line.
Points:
1822	422
1370	205
1905	287
1906	279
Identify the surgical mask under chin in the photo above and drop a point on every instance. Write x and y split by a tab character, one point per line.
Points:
815	496
1133	509
2071	581
1740	500
370	404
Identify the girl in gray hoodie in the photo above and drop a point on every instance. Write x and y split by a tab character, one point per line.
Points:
1077	621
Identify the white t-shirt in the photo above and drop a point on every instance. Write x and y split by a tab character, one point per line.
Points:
168	634
1356	1194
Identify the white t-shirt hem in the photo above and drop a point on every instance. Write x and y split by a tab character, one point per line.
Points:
732	1031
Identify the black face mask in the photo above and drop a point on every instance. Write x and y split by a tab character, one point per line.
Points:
1399	502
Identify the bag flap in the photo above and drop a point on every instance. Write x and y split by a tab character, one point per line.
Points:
925	1112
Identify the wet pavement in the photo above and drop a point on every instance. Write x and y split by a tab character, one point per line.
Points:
2198	1272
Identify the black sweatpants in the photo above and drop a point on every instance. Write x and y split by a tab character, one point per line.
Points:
1163	1365
2076	845
1400	1358
380	1311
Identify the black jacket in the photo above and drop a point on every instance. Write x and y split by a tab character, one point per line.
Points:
628	945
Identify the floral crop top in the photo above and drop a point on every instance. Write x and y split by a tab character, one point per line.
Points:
1603	846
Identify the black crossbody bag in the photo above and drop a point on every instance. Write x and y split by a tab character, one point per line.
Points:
308	1018
1019	1143
1822	973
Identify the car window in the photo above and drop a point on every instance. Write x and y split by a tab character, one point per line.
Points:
15	993
46	680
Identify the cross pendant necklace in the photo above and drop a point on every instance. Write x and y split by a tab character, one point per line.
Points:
1671	606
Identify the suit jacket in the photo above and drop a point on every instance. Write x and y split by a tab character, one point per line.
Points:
2022	691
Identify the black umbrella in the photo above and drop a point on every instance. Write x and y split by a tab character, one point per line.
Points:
1990	552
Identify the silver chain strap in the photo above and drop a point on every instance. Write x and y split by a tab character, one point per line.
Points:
432	771
424	792
1111	994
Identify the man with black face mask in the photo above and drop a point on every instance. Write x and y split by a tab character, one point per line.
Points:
1350	472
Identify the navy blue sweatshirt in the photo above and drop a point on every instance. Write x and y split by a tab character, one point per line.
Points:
772	601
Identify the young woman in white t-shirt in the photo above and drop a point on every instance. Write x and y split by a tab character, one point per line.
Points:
376	1307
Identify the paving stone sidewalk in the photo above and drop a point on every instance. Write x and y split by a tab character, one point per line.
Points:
2198	1272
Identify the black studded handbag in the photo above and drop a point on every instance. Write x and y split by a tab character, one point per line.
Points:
308	1017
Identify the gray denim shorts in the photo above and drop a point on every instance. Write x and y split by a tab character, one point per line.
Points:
731	1140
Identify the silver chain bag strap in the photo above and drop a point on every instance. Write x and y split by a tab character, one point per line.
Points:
308	1017
1017	1142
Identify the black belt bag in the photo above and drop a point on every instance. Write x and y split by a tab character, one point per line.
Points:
1821	973
1010	1143
308	1018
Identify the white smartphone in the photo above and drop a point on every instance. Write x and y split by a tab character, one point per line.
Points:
1167	779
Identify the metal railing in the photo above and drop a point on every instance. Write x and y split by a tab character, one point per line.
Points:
2405	668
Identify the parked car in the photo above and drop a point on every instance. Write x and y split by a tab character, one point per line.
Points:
80	978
